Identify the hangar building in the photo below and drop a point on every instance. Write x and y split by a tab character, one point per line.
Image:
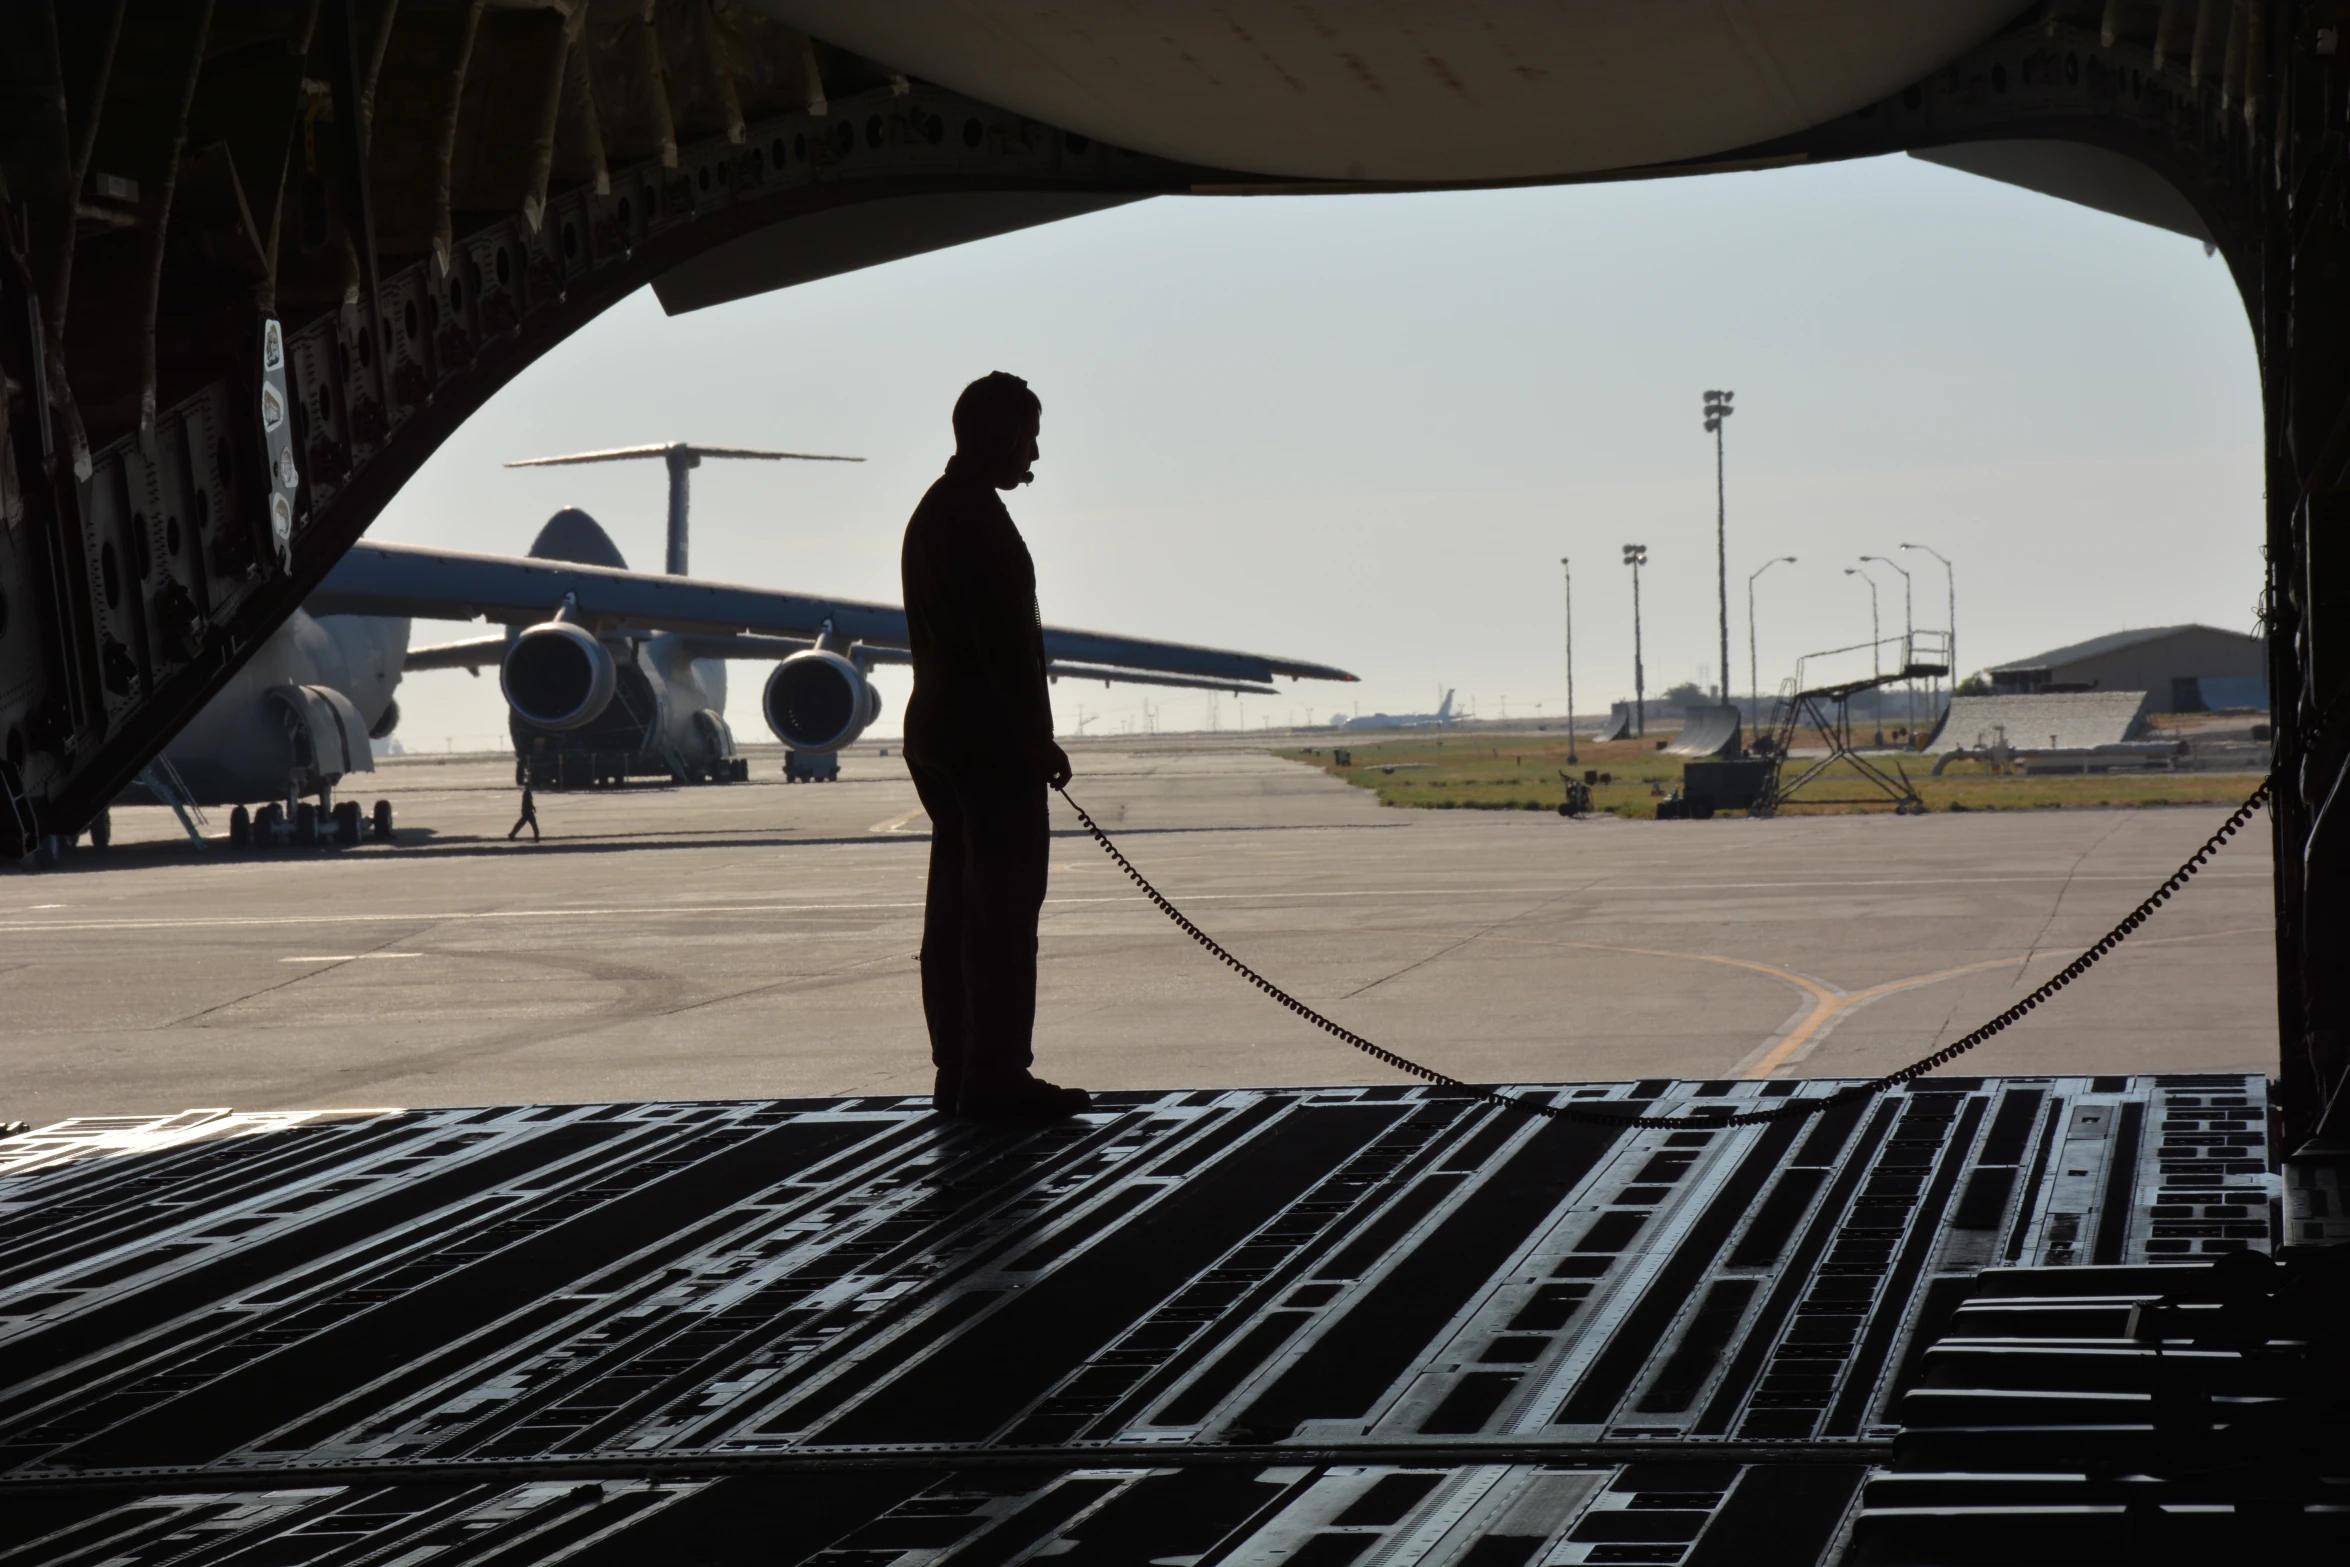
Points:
2182	669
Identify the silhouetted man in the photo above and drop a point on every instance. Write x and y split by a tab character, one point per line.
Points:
529	817
979	742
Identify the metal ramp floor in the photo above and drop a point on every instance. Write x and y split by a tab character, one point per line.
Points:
1315	1327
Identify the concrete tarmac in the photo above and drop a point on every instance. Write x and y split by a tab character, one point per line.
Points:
760	939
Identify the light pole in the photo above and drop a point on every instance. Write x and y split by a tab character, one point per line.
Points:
1753	677
1950	581
1569	570
1636	556
1909	635
1875	637
1717	412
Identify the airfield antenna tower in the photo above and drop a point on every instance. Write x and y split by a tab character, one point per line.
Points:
1570	574
1636	556
1717	413
681	458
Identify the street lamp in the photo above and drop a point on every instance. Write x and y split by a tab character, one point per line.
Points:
1717	413
1570	575
1875	639
1909	624
1753	679
1636	556
1950	580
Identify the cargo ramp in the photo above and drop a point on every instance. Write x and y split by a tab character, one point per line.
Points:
1230	1326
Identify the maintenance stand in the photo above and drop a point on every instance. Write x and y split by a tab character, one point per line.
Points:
1829	709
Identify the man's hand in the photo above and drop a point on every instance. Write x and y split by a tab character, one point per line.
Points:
1053	762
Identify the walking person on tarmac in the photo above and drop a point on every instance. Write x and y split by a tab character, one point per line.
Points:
979	742
529	817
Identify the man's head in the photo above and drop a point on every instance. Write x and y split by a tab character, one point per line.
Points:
996	421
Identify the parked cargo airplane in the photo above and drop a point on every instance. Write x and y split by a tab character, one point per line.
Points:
590	648
1437	719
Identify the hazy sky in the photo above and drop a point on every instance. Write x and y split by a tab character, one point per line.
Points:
1363	430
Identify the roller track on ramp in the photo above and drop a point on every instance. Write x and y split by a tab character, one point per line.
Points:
1309	1326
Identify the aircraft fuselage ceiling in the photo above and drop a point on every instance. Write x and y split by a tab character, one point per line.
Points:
261	259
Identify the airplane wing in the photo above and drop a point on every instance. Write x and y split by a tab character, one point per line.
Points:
403	579
1054	668
476	652
473	653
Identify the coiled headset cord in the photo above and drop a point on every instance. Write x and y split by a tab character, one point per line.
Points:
1792	1107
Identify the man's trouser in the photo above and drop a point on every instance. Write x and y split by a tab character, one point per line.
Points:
988	850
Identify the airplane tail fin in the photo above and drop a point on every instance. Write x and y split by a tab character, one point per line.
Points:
1445	710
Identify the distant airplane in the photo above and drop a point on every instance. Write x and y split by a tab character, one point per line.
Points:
599	666
1437	719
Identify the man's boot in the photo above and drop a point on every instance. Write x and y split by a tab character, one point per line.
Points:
1021	1098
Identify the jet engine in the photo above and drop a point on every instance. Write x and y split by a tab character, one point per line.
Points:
557	675
819	701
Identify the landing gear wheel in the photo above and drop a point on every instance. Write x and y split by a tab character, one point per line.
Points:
306	825
266	823
102	831
380	829
347	822
240	828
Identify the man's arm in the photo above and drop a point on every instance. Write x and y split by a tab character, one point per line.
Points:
1012	648
994	611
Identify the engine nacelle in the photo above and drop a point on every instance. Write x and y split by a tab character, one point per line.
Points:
818	701
557	675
